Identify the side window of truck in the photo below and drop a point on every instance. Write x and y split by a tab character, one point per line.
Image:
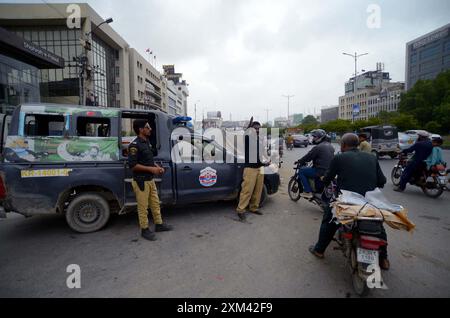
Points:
93	127
37	125
128	134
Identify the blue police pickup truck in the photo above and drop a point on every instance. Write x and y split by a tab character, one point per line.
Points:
73	160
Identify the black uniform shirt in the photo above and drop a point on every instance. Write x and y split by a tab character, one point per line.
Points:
357	171
140	152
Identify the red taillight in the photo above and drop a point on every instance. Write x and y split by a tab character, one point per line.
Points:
2	189
347	236
371	243
90	113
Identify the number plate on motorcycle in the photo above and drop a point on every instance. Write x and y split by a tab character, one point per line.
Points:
367	256
442	180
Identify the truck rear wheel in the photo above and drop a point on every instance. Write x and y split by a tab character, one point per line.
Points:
88	212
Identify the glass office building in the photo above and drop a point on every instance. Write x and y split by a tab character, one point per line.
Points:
428	56
21	63
63	85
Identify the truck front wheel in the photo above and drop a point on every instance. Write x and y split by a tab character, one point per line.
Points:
87	213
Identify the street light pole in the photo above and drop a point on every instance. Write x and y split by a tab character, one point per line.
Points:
355	82
267	114
195	111
288	98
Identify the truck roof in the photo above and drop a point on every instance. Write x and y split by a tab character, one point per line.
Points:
73	109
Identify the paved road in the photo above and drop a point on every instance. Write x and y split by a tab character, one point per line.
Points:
211	254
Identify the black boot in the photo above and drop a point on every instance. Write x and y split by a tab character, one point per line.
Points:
148	235
163	228
242	217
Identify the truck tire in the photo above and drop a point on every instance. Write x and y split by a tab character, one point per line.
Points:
88	212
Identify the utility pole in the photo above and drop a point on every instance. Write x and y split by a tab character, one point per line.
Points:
288	98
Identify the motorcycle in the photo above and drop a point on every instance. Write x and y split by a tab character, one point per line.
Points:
433	182
320	198
360	243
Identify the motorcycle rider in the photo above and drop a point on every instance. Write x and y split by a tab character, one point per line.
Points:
358	172
290	141
422	150
321	156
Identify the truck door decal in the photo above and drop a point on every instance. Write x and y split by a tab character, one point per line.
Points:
208	177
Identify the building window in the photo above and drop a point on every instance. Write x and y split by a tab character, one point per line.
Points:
446	60
447	46
430	52
104	78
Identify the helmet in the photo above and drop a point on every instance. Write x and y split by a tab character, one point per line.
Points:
423	133
437	138
318	136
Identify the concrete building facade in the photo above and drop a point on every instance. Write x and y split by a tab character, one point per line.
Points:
427	56
146	89
181	88
354	105
328	114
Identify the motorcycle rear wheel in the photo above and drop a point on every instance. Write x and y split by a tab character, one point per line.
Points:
433	192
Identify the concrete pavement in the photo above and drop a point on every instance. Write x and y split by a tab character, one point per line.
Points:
211	254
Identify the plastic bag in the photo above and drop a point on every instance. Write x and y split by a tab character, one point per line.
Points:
377	199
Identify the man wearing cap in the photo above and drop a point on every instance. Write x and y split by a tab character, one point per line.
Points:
422	150
140	160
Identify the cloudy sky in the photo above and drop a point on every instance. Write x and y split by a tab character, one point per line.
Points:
241	56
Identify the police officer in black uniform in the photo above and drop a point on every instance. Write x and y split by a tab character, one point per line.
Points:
140	160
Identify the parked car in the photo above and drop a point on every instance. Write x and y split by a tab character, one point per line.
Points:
300	140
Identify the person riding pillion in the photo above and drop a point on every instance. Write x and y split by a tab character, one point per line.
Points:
140	160
321	156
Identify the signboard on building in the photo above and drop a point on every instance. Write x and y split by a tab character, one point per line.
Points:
356	109
433	37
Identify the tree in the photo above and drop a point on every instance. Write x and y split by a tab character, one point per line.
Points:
339	126
310	120
432	127
404	122
426	102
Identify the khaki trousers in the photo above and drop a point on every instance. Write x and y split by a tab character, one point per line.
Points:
145	199
252	187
